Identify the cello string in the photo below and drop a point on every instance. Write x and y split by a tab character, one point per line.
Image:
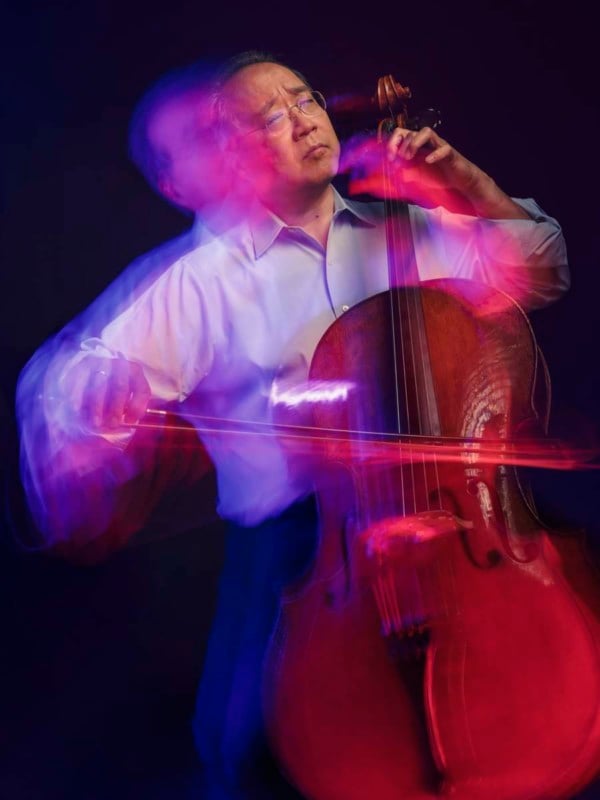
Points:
409	305
425	400
396	335
431	402
404	265
409	302
398	255
395	251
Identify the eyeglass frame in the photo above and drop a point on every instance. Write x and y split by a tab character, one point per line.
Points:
315	95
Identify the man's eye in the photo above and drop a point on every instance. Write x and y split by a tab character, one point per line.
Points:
274	119
306	103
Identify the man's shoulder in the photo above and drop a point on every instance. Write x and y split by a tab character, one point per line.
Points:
165	254
217	252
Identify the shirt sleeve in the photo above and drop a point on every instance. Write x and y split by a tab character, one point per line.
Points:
170	331
525	258
72	476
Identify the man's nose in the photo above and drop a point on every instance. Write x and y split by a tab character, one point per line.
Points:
302	123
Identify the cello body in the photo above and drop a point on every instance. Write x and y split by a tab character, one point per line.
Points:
436	647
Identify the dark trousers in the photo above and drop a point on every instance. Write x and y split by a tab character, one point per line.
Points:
228	726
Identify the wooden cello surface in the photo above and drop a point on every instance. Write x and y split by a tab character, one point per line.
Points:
443	644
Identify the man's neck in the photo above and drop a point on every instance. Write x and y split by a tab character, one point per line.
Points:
312	212
221	215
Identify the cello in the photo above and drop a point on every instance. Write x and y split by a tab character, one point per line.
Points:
436	647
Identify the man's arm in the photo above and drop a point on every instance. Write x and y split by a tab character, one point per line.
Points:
429	169
463	224
83	461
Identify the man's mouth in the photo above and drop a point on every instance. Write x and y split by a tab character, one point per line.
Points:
314	149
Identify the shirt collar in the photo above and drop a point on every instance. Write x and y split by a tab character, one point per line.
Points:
265	226
198	231
369	213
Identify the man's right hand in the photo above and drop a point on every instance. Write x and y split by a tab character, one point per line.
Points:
106	393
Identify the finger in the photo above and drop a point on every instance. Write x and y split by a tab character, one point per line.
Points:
439	154
117	392
396	141
421	142
139	395
94	393
407	149
405	144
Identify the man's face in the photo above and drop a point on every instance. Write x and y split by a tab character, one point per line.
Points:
183	131
301	155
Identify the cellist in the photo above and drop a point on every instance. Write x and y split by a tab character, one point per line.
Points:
230	327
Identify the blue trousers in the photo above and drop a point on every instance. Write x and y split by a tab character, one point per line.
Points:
228	725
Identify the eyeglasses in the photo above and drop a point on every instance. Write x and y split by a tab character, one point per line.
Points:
310	105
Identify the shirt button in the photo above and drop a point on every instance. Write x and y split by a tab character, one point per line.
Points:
345	308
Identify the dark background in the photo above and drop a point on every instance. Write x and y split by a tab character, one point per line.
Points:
100	664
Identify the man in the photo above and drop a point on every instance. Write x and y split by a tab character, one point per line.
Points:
227	330
172	142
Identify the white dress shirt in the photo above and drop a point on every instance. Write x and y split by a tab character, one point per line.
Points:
218	331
